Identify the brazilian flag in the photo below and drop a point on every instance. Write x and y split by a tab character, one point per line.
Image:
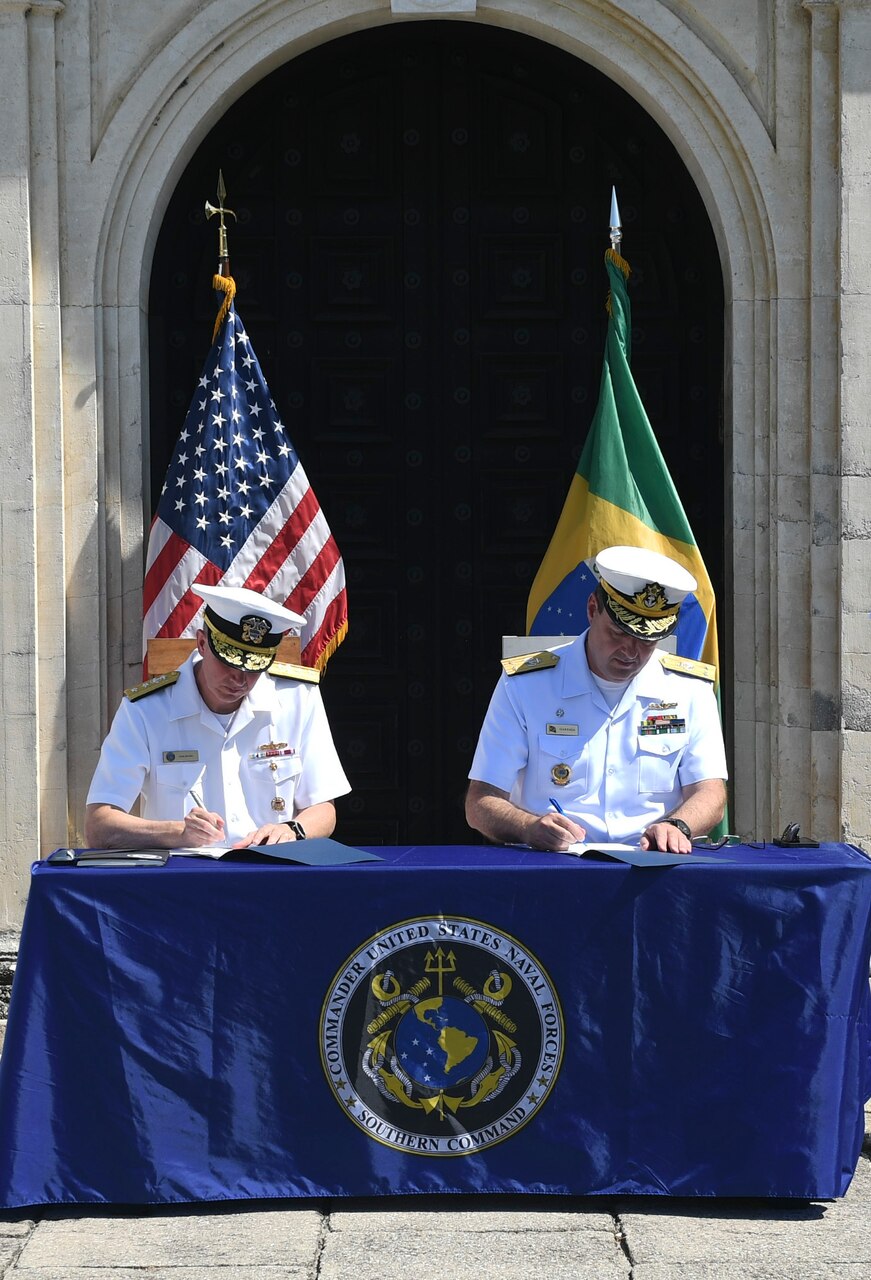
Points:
620	495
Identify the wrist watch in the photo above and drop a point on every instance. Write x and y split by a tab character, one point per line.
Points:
297	828
681	826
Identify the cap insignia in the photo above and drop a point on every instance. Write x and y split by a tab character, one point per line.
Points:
254	628
651	597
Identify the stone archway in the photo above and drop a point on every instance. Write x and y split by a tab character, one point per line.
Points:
419	255
715	128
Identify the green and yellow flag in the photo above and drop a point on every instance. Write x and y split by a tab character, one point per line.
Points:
620	495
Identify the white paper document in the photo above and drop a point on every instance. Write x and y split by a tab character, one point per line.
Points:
204	851
579	848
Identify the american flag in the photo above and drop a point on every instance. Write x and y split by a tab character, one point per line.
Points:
237	509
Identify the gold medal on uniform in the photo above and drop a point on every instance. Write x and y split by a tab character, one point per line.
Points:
561	773
278	804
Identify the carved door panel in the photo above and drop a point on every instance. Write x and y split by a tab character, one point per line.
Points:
422	217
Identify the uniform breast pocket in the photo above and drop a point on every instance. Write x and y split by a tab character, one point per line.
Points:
275	783
561	762
658	760
178	777
176	781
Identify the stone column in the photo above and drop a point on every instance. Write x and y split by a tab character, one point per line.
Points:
19	789
855	416
827	803
48	424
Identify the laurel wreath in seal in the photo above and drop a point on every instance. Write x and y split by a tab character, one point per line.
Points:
381	1059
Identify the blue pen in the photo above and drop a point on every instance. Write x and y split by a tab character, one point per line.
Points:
556	804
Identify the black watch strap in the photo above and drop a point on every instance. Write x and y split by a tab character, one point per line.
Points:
297	828
681	826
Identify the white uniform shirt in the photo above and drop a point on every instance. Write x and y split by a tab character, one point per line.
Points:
168	743
551	733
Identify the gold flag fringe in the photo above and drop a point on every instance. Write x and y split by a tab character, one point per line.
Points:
611	255
227	286
332	645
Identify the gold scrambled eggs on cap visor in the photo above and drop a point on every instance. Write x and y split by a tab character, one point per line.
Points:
648	615
235	653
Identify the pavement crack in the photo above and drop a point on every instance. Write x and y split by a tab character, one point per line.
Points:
622	1239
324	1230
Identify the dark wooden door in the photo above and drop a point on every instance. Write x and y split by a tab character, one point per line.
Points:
422	218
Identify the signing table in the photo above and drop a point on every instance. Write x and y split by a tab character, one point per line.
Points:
441	1020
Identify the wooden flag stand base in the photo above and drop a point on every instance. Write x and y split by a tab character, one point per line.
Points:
168	653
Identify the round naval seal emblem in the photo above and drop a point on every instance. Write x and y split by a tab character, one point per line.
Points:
441	1036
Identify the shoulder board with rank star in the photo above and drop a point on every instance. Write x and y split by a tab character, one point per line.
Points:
292	671
151	686
688	666
522	663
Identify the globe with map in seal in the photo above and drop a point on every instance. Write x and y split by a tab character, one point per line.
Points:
441	1042
441	1036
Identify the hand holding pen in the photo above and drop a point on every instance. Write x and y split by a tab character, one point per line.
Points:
555	830
200	825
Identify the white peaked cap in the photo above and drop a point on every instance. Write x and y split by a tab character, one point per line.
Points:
643	590
232	604
245	628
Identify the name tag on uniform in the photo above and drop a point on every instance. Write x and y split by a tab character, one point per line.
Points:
180	757
563	730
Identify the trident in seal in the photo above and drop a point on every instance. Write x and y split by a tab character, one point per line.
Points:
439	963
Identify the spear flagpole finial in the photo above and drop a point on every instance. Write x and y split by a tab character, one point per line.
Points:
616	227
222	282
220	209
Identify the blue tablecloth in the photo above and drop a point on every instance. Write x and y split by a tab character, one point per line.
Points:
445	1020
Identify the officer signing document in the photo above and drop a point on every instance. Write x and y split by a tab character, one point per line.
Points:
220	752
624	737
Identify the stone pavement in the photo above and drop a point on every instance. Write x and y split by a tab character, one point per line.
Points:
445	1238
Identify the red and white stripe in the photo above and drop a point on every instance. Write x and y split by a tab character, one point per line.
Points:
291	556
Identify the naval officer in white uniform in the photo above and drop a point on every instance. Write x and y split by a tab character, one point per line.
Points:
220	752
624	737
